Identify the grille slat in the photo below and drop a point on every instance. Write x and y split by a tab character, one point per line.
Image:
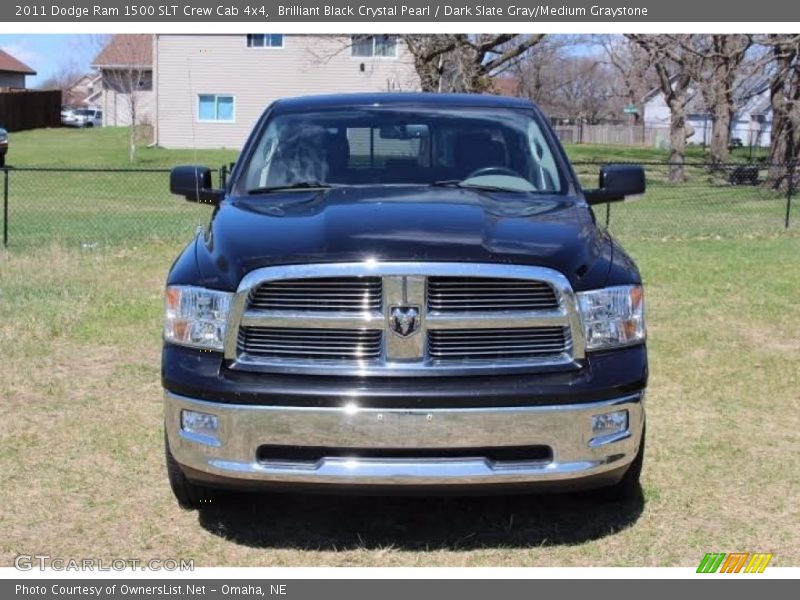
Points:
447	294
309	344
336	321
342	294
297	306
484	344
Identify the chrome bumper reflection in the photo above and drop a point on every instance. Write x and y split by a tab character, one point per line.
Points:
566	429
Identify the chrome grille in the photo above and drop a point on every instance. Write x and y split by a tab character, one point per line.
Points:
488	294
326	294
497	344
314	344
404	319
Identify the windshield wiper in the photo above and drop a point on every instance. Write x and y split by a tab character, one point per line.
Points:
459	183
300	185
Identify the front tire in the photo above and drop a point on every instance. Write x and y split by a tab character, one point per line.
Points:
190	496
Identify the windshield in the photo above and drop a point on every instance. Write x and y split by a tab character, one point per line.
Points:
504	149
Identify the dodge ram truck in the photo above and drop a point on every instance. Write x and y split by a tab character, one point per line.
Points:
404	293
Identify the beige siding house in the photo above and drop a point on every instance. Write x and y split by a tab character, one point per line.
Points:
125	65
210	89
85	91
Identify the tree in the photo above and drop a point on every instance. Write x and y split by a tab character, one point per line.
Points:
563	77
465	63
715	62
674	68
721	75
126	64
65	76
634	68
784	88
538	70
586	92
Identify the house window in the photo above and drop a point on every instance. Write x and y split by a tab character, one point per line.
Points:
265	40
216	108
371	46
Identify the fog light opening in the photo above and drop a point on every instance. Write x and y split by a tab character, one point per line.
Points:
609	427
200	424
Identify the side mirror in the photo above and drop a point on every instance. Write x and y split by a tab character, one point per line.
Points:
617	182
194	184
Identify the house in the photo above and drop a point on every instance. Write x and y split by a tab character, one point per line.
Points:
754	125
85	91
211	89
126	94
13	71
751	123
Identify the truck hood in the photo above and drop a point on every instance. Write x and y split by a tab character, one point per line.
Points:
409	223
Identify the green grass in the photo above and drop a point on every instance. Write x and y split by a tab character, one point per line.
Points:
82	458
97	208
608	153
105	147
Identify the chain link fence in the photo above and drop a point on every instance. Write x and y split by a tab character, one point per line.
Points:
93	207
90	207
701	200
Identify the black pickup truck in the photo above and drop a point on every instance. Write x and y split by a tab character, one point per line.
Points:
404	292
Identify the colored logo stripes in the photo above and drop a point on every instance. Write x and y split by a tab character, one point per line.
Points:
734	562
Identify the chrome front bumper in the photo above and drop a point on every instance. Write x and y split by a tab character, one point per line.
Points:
242	429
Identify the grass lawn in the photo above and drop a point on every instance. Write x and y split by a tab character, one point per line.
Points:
603	153
100	147
82	460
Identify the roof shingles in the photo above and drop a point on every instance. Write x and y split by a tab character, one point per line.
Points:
126	50
9	64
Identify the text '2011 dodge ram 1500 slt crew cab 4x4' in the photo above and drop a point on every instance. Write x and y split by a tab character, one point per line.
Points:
404	292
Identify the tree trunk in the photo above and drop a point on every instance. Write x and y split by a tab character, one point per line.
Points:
677	145
784	100
719	89
779	149
677	97
430	76
722	115
132	154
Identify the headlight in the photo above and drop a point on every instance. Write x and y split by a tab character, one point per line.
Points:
196	316
612	317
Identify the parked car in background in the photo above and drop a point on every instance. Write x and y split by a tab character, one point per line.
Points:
67	115
82	117
3	146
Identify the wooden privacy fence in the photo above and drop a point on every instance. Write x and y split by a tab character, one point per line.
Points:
30	109
614	135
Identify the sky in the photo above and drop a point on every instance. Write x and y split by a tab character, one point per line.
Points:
47	54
